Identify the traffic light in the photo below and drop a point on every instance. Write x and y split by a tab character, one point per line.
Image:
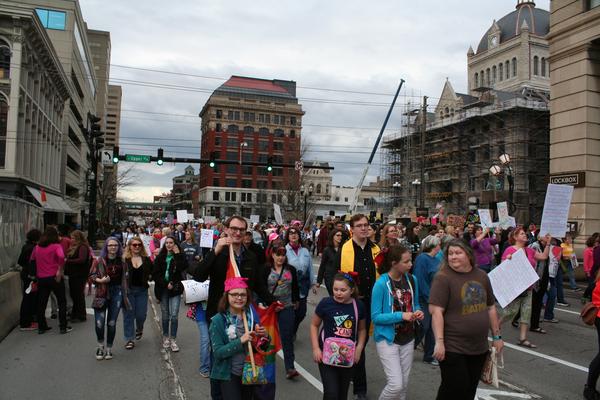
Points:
212	161
95	133
159	157
270	164
115	159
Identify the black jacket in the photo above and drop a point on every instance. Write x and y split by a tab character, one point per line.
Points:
258	251
28	269
147	268
295	287
176	269
328	266
214	267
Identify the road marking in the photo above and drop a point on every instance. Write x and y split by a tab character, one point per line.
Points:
490	394
547	357
566	311
305	374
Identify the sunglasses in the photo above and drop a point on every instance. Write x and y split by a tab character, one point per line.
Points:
136	245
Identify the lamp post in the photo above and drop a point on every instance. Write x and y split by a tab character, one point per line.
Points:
416	184
396	185
242	145
496	170
306	195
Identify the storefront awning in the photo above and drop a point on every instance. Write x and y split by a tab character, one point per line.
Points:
52	203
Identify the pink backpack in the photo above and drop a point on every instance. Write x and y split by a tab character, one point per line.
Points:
339	352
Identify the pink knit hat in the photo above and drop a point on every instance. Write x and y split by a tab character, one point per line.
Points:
273	236
236	283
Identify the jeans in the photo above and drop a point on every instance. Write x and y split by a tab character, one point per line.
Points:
551	300
460	376
169	307
359	379
299	313
45	287
594	370
560	294
108	316
396	361
590	288
428	338
286	321
336	381
133	320
571	274
76	290
204	346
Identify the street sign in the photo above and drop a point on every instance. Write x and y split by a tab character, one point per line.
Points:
107	157
576	179
137	158
299	165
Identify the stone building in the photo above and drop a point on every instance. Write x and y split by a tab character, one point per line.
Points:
181	194
250	120
574	108
505	112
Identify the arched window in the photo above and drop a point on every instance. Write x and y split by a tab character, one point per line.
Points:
476	80
514	66
507	68
543	66
494	74
536	65
487	77
319	188
446	111
327	189
263	131
500	72
482	76
232	129
279	133
3	128
292	133
5	54
248	129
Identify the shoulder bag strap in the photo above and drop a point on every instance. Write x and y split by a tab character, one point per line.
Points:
278	279
355	319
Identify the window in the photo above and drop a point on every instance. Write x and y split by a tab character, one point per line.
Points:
263	131
4	60
231	142
493	74
230	182
219	114
536	65
261	118
273	198
327	189
232	156
282	119
593	4
248	130
261	184
263	145
279	133
249	117
277	171
476	80
219	127
277	145
276	119
52	19
319	188
216	182
482	77
507	69
543	66
230	115
247	169
345	199
3	127
292	133
246	183
501	72
247	197
487	77
514	66
292	120
232	169
215	196
232	129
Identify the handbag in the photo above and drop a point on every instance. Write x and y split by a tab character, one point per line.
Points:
588	313
339	352
489	373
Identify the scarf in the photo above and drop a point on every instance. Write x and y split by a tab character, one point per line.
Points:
169	259
295	247
347	261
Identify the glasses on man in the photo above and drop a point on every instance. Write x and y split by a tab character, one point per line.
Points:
238	295
237	229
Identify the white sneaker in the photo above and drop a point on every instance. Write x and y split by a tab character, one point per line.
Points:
166	343
174	347
108	354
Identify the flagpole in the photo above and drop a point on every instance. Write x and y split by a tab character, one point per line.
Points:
244	318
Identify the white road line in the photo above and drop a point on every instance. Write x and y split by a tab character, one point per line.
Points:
566	311
547	357
305	374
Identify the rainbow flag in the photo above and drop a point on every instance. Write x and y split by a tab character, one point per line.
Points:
268	319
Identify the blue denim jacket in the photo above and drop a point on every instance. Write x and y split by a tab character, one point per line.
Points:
304	267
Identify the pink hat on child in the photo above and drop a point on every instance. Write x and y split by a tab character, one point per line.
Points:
236	283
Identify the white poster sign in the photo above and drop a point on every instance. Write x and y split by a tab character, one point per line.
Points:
146	241
209	219
277	212
502	212
512	277
486	218
190	217
206	238
556	210
194	291
255	219
182	216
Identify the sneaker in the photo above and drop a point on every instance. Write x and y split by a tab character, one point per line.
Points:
100	353
130	345
553	320
562	304
138	335
166	343
32	327
108	354
291	373
205	374
433	362
577	289
174	347
41	331
65	330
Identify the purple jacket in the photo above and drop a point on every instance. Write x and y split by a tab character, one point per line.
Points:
483	250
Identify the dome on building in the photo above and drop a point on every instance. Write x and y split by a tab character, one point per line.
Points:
537	20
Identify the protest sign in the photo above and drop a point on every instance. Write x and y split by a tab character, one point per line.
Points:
556	210
486	218
182	216
512	277
277	212
255	219
456	220
194	291
206	238
190	217
209	219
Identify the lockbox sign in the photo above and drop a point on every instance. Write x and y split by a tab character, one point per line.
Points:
576	179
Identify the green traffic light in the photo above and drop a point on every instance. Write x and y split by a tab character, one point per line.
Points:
115	160
211	164
159	162
269	168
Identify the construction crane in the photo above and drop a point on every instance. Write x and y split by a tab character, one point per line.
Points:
364	175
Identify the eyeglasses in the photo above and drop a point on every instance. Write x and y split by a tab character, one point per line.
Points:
136	245
238	295
236	229
294	233
112	245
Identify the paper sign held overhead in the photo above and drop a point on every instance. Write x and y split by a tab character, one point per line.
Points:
182	216
556	210
512	277
486	218
255	219
206	238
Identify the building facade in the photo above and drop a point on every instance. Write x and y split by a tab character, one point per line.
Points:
575	81
181	194
250	120
505	112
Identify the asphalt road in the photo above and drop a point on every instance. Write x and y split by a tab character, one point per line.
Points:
54	366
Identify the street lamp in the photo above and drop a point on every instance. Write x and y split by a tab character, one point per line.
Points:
242	144
396	185
306	195
496	170
416	184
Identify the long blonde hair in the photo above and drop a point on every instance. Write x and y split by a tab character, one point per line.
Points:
127	254
77	239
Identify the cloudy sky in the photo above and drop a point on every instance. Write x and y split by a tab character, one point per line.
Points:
346	56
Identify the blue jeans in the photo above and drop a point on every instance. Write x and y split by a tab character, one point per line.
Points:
551	299
135	318
286	321
204	346
571	274
560	294
108	316
428	337
169	307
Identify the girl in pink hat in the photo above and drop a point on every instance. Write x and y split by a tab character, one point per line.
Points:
229	340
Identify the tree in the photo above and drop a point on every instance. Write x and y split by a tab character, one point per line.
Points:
108	190
293	198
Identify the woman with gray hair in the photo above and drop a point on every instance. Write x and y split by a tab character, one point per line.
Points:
425	268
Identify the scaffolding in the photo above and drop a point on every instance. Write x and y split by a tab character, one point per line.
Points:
461	147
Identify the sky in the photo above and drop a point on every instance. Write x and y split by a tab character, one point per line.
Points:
346	56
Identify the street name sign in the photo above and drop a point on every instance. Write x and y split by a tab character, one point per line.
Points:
137	158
